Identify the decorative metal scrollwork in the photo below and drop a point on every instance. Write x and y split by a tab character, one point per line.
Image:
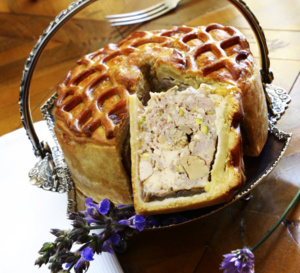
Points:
43	174
51	172
278	100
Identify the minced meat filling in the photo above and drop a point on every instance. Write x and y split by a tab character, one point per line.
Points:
178	142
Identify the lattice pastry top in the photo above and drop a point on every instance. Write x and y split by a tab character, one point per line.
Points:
92	101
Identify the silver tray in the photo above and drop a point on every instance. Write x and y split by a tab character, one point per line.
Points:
256	168
52	173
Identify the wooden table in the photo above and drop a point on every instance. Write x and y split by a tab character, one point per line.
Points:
197	246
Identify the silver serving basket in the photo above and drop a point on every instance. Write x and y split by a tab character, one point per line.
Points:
52	173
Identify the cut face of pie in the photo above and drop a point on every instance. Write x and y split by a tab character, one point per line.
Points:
186	149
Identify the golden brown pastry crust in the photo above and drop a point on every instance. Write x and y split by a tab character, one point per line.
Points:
91	172
255	124
91	107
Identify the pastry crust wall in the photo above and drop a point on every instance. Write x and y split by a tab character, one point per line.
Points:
93	174
255	124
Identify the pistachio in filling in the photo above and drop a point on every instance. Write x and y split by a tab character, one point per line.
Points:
178	142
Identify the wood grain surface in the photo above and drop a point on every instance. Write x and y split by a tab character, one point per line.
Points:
197	246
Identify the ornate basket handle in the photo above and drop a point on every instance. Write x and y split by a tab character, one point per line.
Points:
49	163
267	75
51	172
38	148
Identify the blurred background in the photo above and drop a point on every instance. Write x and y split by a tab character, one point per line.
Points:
23	21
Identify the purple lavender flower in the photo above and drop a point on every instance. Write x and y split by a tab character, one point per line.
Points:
95	213
238	261
89	203
104	206
90	220
112	241
91	207
68	265
137	222
115	221
87	255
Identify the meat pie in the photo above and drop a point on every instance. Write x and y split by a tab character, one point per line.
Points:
92	122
